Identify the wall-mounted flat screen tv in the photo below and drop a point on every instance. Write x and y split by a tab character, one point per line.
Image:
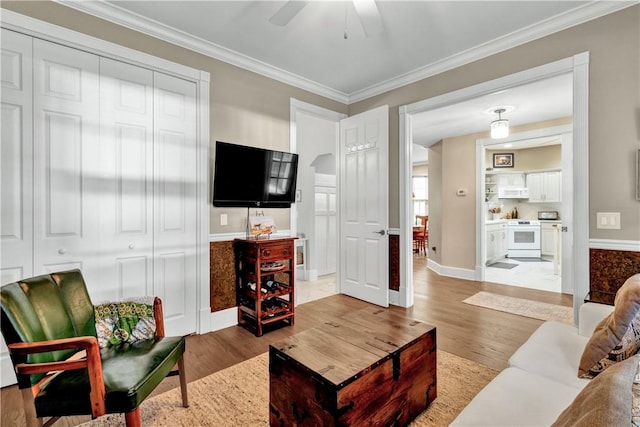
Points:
246	176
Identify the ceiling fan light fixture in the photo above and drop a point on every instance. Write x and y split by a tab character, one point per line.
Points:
500	127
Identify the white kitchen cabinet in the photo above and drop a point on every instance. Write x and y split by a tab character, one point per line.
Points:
548	243
496	241
544	187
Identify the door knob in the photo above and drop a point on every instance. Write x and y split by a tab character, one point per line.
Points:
381	232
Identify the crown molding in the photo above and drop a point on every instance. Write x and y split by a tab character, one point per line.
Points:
150	27
585	13
117	15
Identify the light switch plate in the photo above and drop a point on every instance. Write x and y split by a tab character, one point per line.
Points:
223	219
608	220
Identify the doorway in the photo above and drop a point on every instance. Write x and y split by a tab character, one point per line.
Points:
314	136
545	157
577	66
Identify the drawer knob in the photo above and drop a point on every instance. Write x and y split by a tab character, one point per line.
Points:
62	251
266	252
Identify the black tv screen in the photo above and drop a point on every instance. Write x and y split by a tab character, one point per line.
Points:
253	177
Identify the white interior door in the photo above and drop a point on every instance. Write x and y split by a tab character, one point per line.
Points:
66	161
175	210
16	151
16	171
364	206
126	200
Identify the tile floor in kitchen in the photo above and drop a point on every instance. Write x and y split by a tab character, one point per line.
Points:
527	274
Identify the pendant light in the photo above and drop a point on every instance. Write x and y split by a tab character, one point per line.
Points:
500	127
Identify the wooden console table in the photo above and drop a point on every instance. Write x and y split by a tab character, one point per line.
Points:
371	367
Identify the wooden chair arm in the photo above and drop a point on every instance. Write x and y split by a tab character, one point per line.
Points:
93	364
159	317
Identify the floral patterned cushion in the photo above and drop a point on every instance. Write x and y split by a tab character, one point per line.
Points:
124	322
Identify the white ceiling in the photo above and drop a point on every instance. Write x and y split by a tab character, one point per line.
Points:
420	38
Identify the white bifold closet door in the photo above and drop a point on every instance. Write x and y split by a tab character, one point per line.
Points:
98	172
99	164
16	157
175	204
126	204
66	167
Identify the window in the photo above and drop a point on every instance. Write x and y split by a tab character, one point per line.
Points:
420	194
280	173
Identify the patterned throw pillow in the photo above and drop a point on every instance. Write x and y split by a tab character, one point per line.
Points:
617	337
124	322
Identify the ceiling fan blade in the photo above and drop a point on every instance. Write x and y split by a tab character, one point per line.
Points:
287	12
370	18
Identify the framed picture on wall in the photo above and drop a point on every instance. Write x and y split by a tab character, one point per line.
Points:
503	160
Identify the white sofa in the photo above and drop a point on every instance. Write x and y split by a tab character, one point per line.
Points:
542	377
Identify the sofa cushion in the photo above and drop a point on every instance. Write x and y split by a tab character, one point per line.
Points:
553	351
517	398
617	337
606	400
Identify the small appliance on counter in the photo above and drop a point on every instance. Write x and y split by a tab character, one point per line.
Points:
548	215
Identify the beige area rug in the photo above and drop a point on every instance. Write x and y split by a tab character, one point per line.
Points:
522	307
239	396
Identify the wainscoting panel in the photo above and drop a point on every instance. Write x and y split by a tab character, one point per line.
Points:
394	262
608	271
223	275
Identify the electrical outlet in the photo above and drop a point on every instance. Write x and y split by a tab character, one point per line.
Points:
608	220
224	220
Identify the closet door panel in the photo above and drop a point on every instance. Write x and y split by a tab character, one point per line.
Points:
66	173
16	150
126	204
175	208
16	168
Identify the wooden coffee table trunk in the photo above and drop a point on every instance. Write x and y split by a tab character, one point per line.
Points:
368	368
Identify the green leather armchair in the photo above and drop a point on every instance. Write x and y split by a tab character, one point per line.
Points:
47	322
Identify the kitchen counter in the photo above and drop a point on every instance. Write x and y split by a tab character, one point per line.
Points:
495	221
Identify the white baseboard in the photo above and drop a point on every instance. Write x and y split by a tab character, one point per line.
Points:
224	319
455	272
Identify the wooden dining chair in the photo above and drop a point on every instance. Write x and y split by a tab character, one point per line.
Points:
421	237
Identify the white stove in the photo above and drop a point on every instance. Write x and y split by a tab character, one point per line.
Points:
523	238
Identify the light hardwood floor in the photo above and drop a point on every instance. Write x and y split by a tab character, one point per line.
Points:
485	336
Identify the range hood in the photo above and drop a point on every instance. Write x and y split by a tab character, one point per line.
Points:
513	193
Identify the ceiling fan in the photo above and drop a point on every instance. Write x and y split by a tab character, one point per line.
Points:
367	11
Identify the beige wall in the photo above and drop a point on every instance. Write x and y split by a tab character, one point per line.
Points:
420	170
614	97
245	108
548	157
435	201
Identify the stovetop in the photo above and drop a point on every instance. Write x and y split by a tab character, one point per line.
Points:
523	222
